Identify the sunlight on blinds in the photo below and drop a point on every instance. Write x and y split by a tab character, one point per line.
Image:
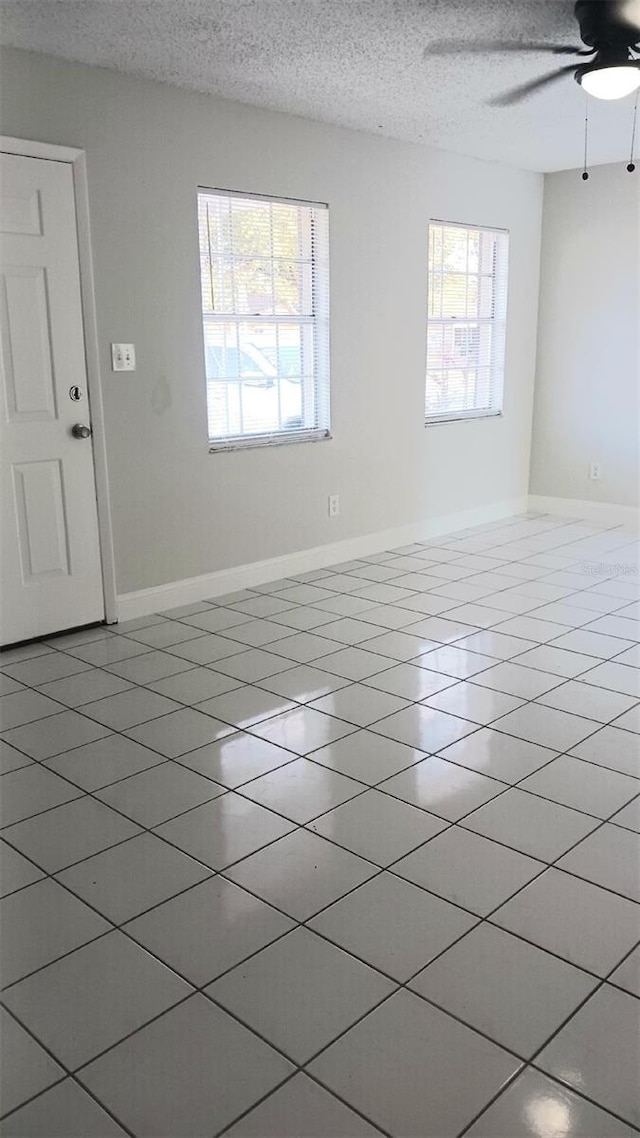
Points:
466	321
265	311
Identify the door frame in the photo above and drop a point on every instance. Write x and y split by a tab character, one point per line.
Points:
26	148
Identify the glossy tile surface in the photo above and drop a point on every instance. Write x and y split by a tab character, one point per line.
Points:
344	854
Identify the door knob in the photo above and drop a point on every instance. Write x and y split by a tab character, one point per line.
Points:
80	431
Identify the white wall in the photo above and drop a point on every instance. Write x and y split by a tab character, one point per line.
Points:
179	511
587	397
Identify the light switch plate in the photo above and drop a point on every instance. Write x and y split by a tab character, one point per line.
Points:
123	357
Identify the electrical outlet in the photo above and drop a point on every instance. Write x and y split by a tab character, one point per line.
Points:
595	472
334	505
123	357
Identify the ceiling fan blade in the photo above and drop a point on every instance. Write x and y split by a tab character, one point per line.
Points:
475	47
507	98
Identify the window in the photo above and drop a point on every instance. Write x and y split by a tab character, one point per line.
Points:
265	310
466	321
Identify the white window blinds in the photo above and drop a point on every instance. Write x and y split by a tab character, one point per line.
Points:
265	311
466	321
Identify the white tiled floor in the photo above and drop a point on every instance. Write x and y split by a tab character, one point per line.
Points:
352	854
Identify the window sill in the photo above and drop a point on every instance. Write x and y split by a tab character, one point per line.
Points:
463	416
253	441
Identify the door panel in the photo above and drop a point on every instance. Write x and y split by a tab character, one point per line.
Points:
51	570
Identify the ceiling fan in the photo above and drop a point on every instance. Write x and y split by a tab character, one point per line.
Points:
610	34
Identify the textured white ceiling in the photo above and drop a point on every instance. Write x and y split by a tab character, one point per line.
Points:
358	63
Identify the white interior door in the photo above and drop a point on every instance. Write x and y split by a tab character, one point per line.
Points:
50	557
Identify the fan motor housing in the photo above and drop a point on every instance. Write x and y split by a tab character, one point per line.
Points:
599	27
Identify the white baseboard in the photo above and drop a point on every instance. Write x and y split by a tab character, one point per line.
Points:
605	513
162	597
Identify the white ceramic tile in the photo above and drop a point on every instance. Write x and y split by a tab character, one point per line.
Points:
583	786
216	620
609	857
359	704
355	663
629	816
478	615
498	644
612	748
377	827
41	923
69	833
367	756
208	929
12	760
558	730
222	832
301	873
236	759
558	661
393	925
106	760
630	721
43	669
302	730
245	706
627	976
616	677
351	631
617	625
15	871
56	733
165	635
159	793
23	652
326	991
73	691
442	630
456	662
580	922
580	698
410	682
181	731
192	1071
515	993
379	1067
302	790
262	607
257	633
64	1111
301	1109
468	870
108	650
498	755
253	665
424	727
469	701
29	791
9	686
534	1105
515	680
593	643
128	879
150	667
25	706
597	1052
303	684
533	825
194	686
26	1068
388	616
445	789
137	705
87	1001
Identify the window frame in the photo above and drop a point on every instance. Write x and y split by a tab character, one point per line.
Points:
437	418
318	320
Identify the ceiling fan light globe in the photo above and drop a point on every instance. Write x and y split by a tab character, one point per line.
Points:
611	82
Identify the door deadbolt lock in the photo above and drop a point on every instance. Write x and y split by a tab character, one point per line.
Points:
80	431
75	393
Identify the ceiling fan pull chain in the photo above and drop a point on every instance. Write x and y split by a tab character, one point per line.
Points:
631	166
585	172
